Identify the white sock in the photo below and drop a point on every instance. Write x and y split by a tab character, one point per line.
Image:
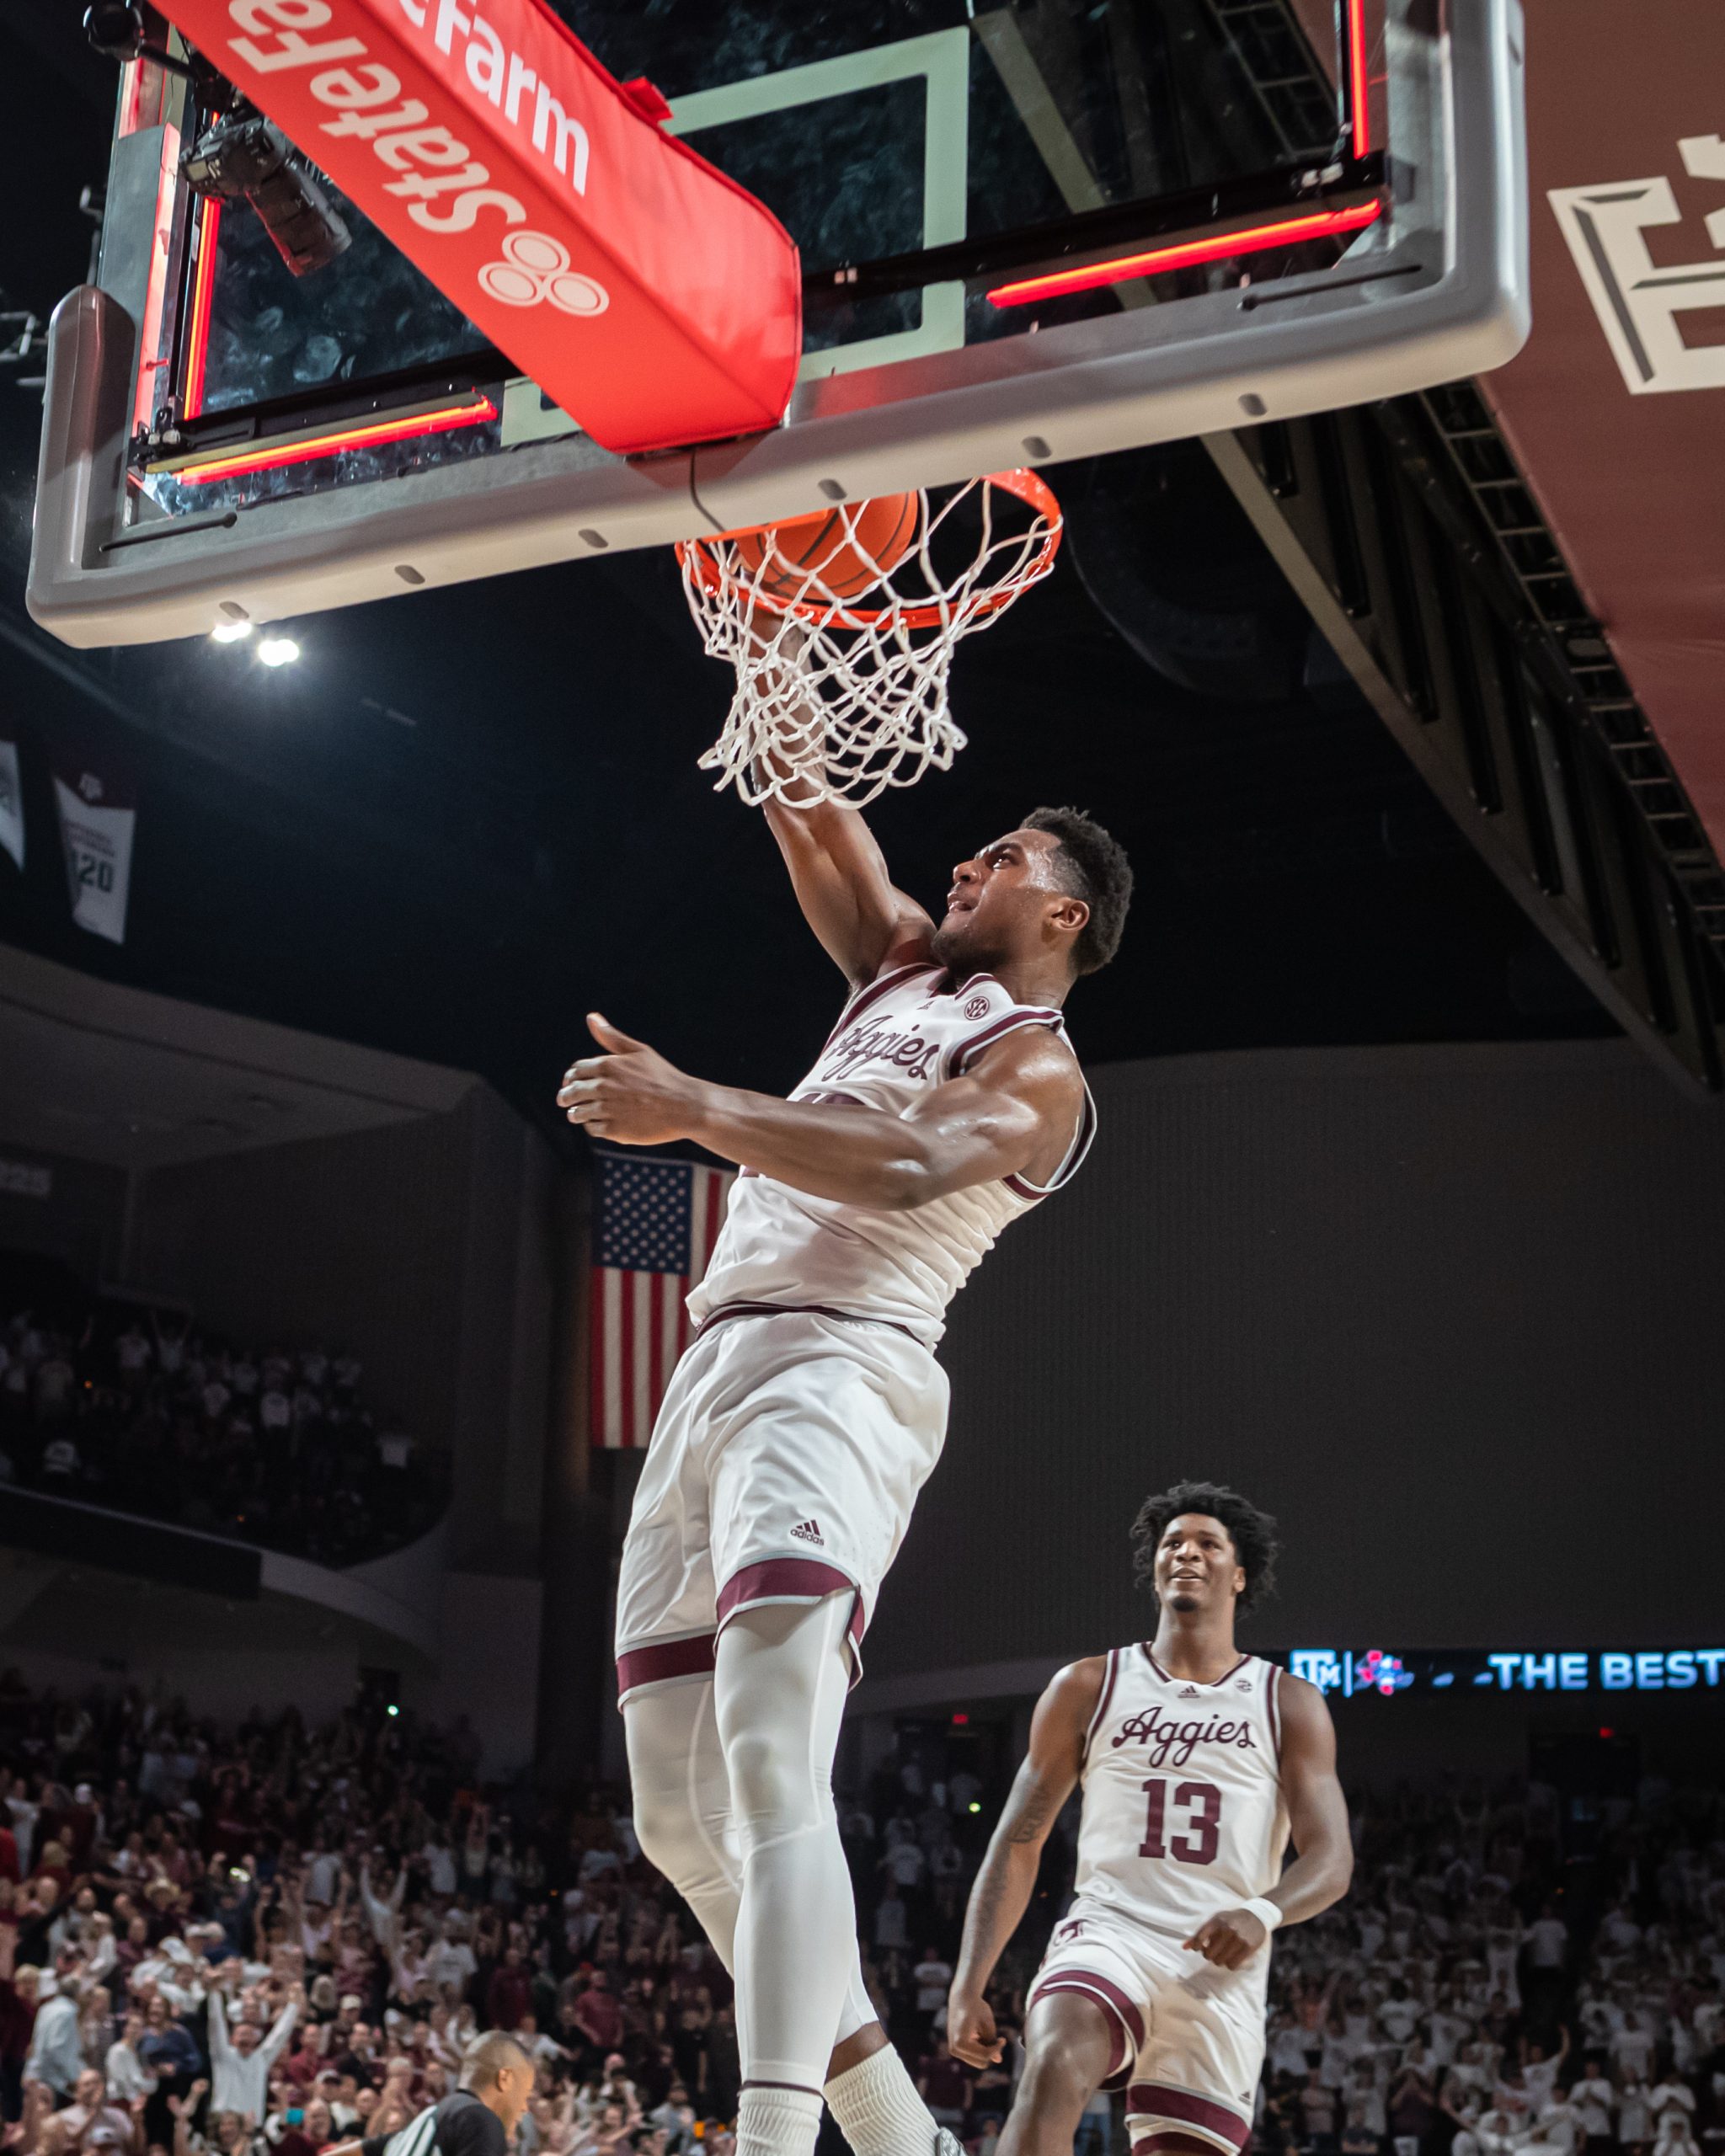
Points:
777	2122
878	2109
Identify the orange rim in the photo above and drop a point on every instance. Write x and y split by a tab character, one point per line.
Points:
1029	488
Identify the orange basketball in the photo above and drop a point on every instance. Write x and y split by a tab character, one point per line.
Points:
847	547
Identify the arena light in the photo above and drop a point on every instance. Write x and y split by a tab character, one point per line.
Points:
1184	254
278	651
305	449
230	632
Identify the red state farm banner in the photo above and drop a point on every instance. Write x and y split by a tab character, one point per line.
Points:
658	302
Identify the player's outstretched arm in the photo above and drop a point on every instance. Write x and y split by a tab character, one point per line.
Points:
1014	1111
1317	1821
1007	1878
838	871
839	877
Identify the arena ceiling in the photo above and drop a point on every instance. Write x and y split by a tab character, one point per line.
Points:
108	1074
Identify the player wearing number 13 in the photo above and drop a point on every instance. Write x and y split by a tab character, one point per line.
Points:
1196	1763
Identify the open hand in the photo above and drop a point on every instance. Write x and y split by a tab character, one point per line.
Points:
630	1095
1230	1939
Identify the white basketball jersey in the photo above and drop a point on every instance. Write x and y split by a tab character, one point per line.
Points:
902	1034
1183	1814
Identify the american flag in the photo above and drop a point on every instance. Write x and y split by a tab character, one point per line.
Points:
657	1223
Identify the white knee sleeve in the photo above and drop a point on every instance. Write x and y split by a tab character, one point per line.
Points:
779	1685
683	1820
683	1804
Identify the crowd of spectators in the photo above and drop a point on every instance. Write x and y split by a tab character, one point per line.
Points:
272	1939
262	1942
1499	1981
276	1939
131	1408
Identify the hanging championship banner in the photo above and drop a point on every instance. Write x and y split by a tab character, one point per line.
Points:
11	803
96	823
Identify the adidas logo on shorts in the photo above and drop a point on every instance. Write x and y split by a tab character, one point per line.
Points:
809	1532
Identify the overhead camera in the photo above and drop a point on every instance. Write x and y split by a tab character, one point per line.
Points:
116	28
245	156
241	156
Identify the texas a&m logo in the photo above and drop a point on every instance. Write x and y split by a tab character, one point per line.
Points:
1640	302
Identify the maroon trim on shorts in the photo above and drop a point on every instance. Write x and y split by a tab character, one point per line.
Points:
1150	2098
1152	2145
789	1579
798	2087
661	1660
1125	2023
727	1311
778	1579
1102	1706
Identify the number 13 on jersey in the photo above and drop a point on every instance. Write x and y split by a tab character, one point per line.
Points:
1201	1803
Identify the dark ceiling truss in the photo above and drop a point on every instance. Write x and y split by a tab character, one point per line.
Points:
1589	678
1370	520
1299	106
1412	535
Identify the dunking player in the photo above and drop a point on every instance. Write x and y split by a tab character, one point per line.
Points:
799	1427
1196	1762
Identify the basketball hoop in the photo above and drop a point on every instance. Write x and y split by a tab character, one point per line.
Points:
841	628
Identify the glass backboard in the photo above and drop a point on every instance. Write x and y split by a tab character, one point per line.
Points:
1028	232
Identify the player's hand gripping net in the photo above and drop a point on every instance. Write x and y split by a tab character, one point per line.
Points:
843	648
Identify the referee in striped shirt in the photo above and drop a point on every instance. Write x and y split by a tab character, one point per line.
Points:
479	2118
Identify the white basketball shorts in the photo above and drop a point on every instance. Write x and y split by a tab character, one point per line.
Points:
1188	2037
783	1467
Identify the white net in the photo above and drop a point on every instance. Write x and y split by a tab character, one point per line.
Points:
842	692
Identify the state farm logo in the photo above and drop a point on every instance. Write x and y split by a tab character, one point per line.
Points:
436	171
1639	302
536	272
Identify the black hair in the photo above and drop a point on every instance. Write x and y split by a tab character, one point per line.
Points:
1253	1534
1096	869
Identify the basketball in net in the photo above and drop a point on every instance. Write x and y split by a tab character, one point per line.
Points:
841	628
847	552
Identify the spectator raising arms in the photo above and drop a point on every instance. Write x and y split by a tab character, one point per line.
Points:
269	1940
